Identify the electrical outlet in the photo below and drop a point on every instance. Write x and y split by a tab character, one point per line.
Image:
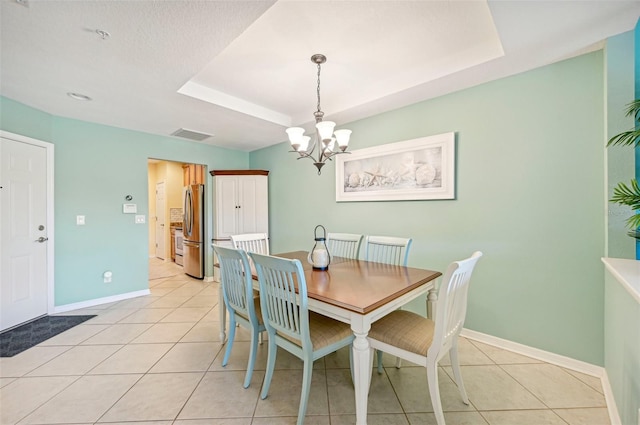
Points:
140	219
107	276
80	220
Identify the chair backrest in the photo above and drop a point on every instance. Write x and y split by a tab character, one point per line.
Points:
251	242
235	277
387	249
345	245
451	307
283	310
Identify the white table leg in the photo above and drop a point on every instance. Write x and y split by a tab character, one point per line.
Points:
432	297
223	316
362	375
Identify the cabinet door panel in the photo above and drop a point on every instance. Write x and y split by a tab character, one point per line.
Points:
226	203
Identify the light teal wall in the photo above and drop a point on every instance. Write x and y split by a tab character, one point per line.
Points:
96	166
620	159
622	349
530	189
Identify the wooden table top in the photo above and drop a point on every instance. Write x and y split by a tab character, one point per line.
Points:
360	286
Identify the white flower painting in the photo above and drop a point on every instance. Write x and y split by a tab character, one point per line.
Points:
414	169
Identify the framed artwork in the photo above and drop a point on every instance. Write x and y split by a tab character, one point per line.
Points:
415	169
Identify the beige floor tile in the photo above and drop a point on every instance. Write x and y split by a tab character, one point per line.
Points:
410	385
500	356
159	292
451	418
221	395
187	290
22	396
6	381
239	357
523	417
163	332
147	315
169	301
110	316
555	387
202	301
118	334
292	420
468	354
76	361
85	400
154	397
138	302
185	314
338	360
284	394
133	358
75	335
377	419
213	315
203	332
382	398
591	416
28	360
141	423
592	381
170	284
491	388
187	357
223	421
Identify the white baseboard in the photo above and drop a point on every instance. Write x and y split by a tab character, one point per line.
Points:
99	301
556	359
208	279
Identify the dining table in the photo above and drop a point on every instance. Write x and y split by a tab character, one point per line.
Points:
358	292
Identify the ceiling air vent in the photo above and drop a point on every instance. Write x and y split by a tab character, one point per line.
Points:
191	135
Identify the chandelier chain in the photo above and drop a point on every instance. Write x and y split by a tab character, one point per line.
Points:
318	88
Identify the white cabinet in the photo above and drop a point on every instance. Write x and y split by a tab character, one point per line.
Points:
240	203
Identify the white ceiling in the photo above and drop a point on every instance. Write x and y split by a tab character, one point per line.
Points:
241	70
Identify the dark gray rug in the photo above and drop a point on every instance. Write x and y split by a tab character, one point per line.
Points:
16	340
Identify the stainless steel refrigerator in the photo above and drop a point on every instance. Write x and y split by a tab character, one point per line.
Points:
193	228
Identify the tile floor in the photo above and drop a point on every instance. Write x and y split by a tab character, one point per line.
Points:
156	359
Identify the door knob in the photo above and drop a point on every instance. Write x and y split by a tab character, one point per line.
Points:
42	239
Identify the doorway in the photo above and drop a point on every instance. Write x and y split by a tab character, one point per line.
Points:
166	210
26	229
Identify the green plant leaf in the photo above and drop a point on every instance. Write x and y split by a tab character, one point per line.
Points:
631	137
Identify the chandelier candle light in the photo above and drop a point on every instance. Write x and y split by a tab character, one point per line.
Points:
328	142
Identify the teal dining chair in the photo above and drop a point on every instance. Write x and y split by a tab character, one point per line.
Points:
345	245
239	299
388	250
424	341
289	323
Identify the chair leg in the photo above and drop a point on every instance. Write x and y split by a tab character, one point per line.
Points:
271	363
252	356
434	391
306	387
455	364
398	362
379	355
232	335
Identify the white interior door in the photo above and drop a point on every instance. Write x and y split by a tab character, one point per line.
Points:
24	283
160	220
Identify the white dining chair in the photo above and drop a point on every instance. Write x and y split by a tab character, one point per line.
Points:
388	250
251	242
345	245
240	301
289	323
424	341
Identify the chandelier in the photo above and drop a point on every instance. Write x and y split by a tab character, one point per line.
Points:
328	142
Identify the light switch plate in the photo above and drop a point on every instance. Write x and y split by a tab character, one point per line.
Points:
140	219
129	208
79	220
